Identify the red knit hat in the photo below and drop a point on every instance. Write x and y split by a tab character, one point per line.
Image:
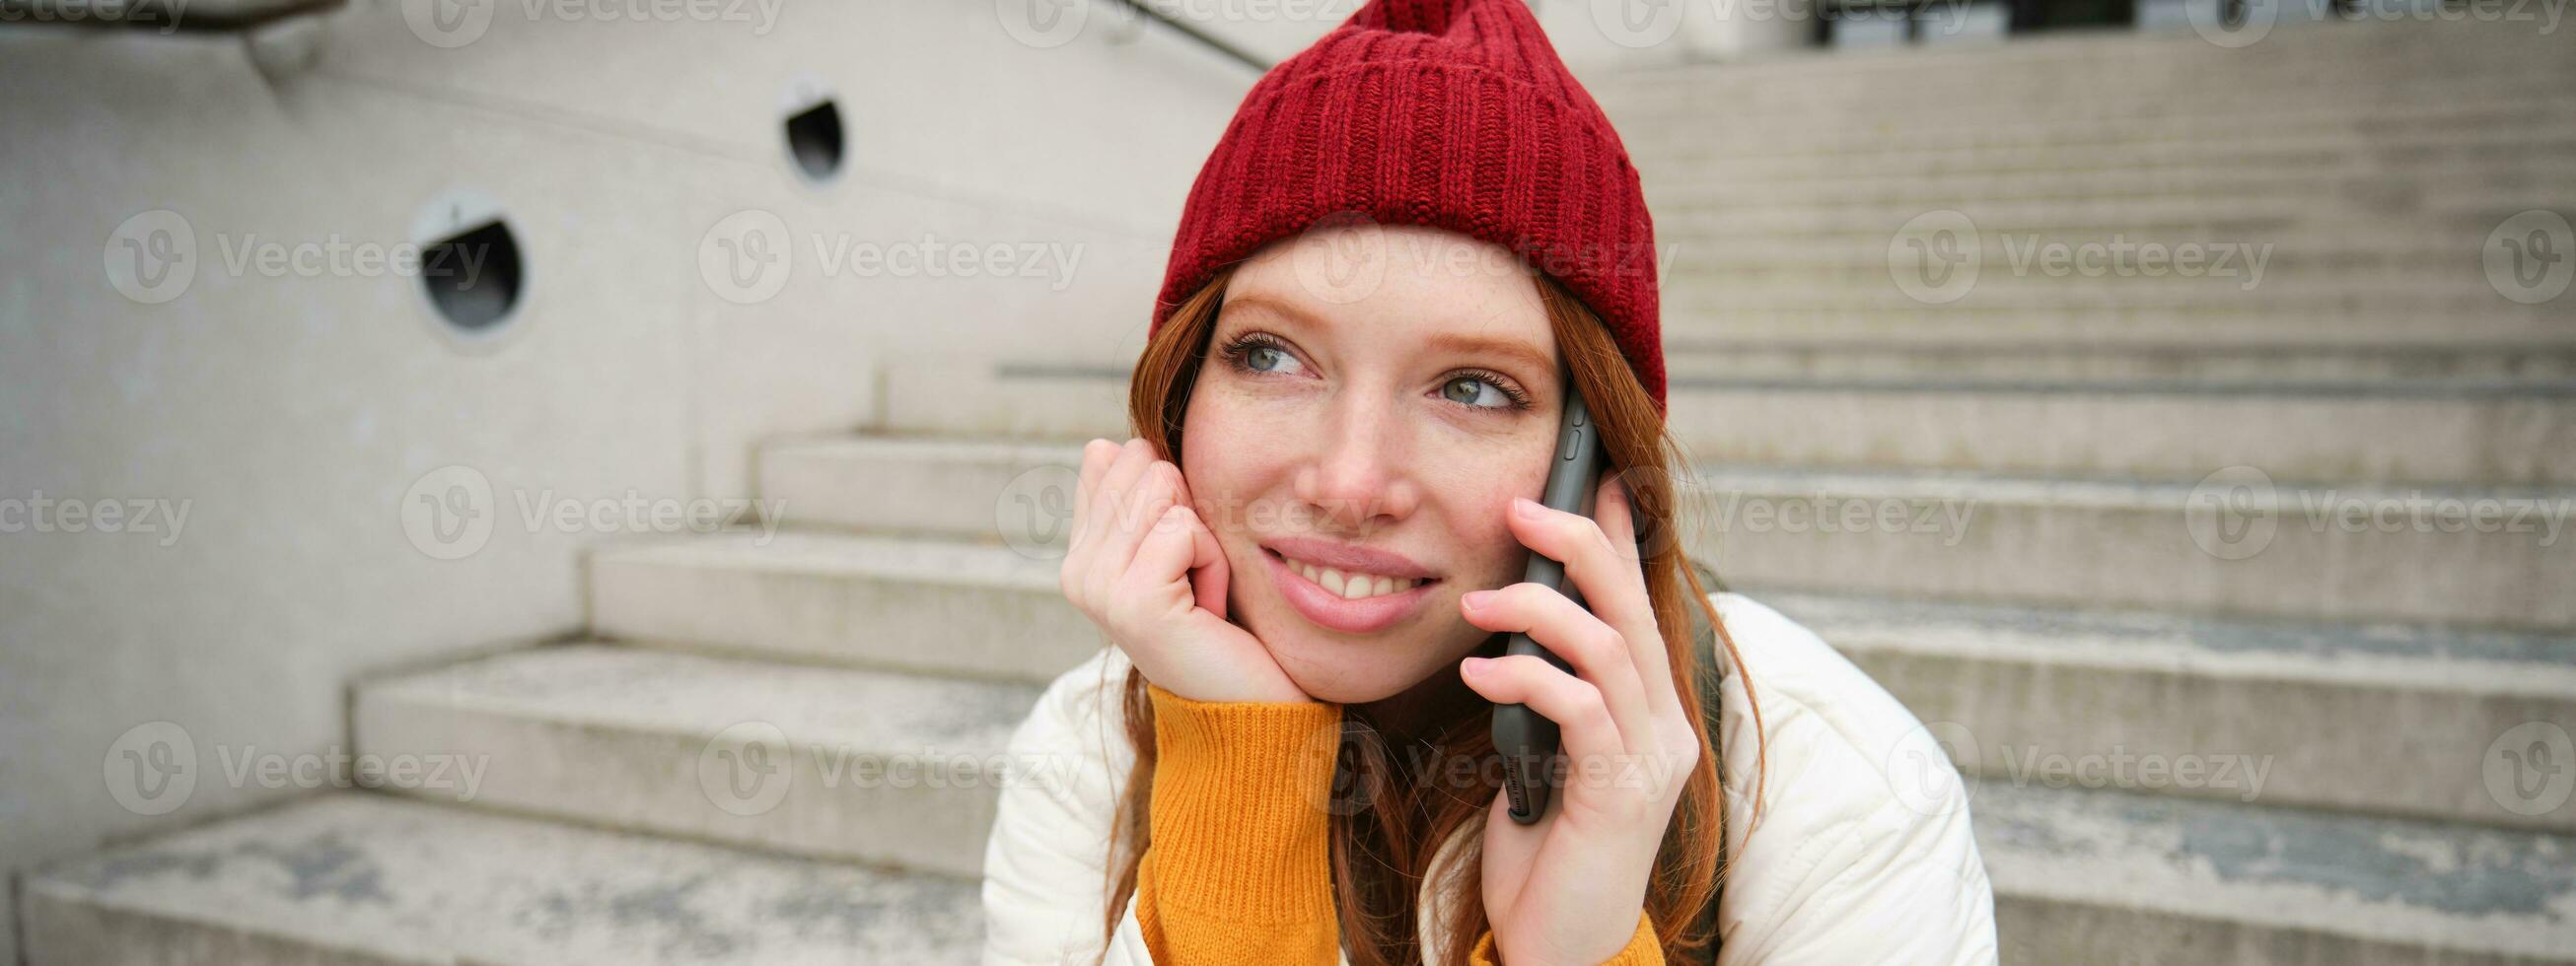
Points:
1455	114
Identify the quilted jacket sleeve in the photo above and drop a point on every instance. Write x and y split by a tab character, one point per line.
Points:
1046	863
1864	851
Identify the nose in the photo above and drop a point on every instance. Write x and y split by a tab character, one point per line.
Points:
1361	477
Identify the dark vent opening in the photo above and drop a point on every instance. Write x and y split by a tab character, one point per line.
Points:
473	277
814	140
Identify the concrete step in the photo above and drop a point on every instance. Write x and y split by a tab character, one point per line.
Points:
1709	140
352	878
2102	876
2395	227
2500	326
2269	549
2124	64
2424	155
2390	719
2491	173
2502	433
2000	283
2314	217
2235	542
1723	132
932	607
827	762
1688	355
2299	97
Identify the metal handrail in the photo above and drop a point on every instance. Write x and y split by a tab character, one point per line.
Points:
1185	28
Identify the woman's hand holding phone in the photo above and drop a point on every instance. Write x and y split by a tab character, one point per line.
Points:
1148	571
1570	888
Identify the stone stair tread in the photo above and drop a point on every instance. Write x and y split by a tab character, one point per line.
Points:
841	554
2381	654
2454	888
606	685
358	877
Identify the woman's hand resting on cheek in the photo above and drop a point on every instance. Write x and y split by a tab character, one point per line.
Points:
1144	568
1570	888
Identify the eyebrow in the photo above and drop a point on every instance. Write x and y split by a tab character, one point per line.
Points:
1514	349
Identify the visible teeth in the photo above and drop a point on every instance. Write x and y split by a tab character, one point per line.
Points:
1352	586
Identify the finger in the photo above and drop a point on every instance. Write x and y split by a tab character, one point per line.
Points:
1139	511
1582	720
1596	651
1097	456
1163	556
1209	572
1616	512
1612	584
1106	554
1132	459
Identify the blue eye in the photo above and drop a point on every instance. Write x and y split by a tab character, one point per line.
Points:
1484	385
1255	352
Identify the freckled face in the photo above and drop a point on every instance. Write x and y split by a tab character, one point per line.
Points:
1383	387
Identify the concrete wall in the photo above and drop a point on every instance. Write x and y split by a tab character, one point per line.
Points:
297	419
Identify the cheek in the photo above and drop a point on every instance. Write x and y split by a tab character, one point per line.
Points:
1484	517
1228	479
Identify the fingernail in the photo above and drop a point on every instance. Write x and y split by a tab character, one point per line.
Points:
1526	507
1475	665
1476	598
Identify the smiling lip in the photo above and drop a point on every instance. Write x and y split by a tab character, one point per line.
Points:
1333	611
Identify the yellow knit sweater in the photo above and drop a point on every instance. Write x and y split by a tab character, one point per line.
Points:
1239	870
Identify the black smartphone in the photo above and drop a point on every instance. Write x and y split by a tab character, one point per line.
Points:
1527	740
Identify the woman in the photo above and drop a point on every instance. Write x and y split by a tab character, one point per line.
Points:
1413	237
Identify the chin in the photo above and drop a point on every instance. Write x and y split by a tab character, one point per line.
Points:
1344	674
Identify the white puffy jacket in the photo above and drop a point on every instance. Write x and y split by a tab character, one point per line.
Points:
1863	853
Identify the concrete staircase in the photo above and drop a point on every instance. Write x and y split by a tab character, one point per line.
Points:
2099	548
